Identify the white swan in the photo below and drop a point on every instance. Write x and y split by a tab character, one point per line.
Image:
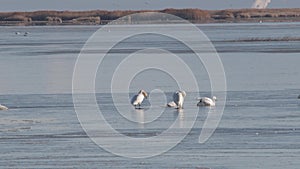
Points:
205	101
178	99
3	107
172	104
138	99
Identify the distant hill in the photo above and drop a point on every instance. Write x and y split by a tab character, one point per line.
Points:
96	17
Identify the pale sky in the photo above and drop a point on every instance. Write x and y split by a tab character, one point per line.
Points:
31	5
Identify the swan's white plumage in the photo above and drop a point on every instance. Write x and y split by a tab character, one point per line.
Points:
205	101
139	98
178	99
171	104
3	107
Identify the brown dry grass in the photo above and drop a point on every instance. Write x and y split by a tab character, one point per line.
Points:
195	15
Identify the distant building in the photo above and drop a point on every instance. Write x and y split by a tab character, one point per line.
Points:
261	4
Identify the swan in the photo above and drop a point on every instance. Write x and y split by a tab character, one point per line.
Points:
205	101
3	107
178	99
299	97
171	104
138	99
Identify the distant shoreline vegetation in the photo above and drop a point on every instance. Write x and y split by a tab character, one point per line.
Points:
100	17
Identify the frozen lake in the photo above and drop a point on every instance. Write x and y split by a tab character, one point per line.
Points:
259	128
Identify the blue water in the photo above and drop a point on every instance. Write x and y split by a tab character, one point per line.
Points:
259	128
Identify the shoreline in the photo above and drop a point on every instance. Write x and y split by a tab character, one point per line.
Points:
102	17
